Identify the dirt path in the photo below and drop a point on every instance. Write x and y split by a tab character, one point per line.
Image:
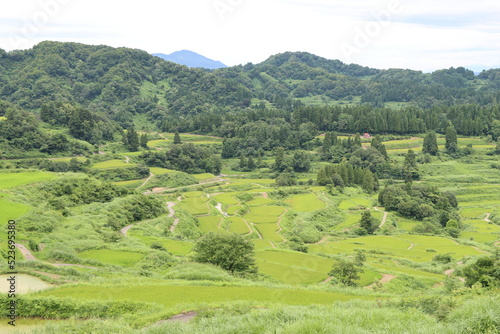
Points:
146	181
126	228
279	225
184	317
384	218
450	272
487	218
386	278
322	240
258	232
411	246
30	257
127	160
26	252
250	228
171	213
219	207
328	279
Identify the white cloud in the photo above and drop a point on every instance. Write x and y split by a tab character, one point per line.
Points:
423	34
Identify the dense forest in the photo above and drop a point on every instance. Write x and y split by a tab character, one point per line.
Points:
97	91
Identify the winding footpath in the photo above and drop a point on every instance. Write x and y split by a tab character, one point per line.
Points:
384	218
126	228
386	278
171	213
28	256
146	181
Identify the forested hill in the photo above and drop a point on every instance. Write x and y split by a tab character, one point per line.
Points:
116	80
66	84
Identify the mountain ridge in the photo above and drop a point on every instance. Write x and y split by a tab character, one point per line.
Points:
191	59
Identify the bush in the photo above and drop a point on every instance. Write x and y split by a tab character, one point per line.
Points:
443	258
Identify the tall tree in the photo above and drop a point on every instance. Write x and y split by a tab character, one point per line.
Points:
251	164
451	144
81	124
132	140
279	162
177	138
430	145
301	162
367	222
144	140
367	182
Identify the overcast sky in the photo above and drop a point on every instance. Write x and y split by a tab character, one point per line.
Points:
417	34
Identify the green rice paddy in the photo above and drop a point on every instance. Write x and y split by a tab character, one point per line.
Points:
12	180
112	164
120	258
306	202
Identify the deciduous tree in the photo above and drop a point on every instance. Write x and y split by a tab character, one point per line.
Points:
229	251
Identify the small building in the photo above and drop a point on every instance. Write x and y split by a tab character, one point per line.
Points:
366	136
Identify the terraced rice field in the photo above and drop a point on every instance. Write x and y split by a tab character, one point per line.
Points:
10	210
175	247
12	180
293	267
120	258
227	198
306	202
264	214
195	205
160	171
112	164
209	223
269	232
188	294
238	225
355	202
412	247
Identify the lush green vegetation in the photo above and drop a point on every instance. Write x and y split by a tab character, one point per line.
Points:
248	195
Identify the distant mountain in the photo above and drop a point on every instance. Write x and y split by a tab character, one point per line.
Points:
191	59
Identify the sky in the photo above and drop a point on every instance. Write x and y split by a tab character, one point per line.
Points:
422	35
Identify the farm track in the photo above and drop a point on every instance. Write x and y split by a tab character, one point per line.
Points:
219	207
128	227
30	257
146	181
171	213
450	272
323	240
328	279
279	225
127	159
384	218
249	228
386	278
